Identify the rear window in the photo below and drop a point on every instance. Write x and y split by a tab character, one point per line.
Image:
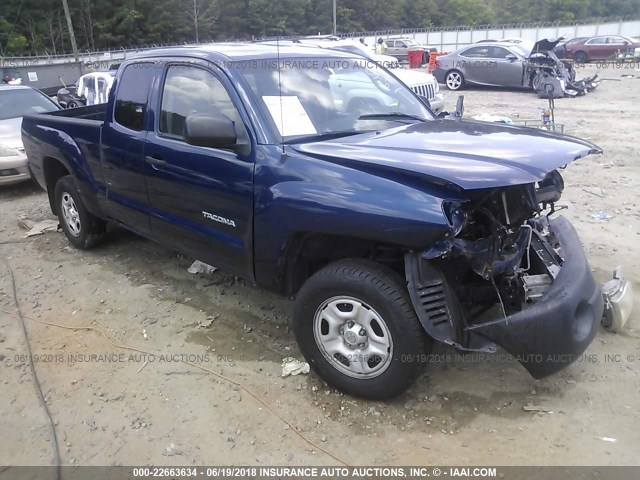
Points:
131	99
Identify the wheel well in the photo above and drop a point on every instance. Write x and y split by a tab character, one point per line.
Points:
53	169
306	253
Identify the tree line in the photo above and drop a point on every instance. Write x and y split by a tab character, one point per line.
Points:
37	27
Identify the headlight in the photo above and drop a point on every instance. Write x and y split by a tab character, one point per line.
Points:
10	152
437	89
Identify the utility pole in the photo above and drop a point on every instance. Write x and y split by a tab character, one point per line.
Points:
335	23
74	46
195	19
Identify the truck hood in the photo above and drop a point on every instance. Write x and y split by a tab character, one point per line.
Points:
467	153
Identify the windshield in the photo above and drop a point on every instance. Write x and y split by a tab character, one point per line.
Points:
329	96
23	101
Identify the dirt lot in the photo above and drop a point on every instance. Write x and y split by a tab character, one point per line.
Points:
121	407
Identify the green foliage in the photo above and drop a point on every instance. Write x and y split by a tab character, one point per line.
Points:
39	26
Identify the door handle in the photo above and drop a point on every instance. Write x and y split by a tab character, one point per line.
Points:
158	162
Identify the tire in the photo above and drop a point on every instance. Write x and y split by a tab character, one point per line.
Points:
580	57
395	342
454	80
82	229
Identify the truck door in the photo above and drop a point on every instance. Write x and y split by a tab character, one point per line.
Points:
122	148
201	197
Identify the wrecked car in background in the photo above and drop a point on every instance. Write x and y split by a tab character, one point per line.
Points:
511	65
392	227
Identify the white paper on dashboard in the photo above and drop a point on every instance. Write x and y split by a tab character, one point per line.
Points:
289	115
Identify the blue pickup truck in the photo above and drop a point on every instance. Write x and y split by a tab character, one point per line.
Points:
390	226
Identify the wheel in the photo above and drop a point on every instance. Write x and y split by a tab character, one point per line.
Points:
82	229
454	80
356	327
580	57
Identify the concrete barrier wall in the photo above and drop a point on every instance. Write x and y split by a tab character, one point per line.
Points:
450	40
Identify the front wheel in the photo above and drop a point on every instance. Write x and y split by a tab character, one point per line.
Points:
454	80
81	228
356	327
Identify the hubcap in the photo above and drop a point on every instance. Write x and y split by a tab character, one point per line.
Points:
453	81
70	214
353	337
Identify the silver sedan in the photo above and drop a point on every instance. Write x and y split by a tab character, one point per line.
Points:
15	102
494	64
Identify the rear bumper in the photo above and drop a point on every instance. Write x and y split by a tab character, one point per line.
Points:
552	333
439	73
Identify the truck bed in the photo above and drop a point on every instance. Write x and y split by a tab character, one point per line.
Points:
93	112
71	136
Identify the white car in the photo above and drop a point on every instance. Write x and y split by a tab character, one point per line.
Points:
16	101
421	82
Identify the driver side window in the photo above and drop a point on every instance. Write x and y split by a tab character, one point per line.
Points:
191	90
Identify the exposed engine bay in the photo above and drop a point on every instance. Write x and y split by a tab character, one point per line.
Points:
501	263
552	77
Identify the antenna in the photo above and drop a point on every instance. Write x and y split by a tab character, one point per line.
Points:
280	94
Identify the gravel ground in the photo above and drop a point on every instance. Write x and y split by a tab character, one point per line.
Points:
123	407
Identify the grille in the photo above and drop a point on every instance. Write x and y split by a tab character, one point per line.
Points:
426	90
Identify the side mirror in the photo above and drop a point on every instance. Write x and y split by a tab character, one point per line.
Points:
207	130
459	107
511	57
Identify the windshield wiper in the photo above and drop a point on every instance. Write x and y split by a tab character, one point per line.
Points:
391	115
318	137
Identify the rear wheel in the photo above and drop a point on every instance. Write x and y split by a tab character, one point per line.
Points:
580	57
356	327
454	80
82	229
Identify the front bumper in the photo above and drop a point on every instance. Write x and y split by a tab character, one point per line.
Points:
13	168
544	336
437	103
552	333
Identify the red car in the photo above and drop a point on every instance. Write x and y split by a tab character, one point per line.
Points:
603	47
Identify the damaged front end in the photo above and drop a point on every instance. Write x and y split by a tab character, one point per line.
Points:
508	274
552	77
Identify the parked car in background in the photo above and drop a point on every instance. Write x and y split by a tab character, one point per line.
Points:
15	102
399	47
603	47
561	48
510	65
